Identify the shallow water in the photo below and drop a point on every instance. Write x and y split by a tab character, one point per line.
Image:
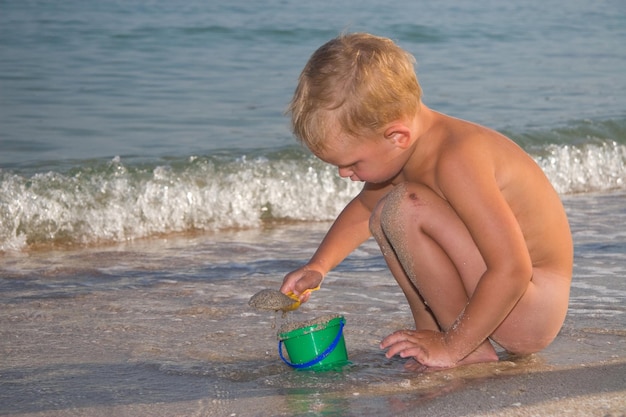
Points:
162	326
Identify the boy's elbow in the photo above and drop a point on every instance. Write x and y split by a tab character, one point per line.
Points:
518	272
522	273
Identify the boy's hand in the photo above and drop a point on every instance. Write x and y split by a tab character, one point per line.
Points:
428	347
301	280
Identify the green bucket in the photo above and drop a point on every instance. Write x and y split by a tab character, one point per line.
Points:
315	347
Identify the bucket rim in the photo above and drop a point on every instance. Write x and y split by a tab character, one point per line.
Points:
301	331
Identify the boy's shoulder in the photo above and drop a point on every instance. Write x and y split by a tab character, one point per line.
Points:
458	135
463	145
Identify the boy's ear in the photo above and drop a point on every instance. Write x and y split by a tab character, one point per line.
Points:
399	133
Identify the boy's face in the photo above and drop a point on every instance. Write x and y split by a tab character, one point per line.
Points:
369	158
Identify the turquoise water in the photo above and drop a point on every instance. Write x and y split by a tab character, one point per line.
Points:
88	79
110	109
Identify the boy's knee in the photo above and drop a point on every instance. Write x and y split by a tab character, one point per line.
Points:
384	208
404	201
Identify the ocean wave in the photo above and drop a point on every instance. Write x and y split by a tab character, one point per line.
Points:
586	168
116	200
582	156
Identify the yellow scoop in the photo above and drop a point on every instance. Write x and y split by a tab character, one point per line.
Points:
296	299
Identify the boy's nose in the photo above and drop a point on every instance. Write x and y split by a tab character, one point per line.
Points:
345	172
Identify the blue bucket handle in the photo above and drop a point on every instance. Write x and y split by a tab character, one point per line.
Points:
319	357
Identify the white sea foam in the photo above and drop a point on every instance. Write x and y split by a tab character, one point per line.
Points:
591	167
118	201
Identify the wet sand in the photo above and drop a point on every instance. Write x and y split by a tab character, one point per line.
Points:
109	363
162	328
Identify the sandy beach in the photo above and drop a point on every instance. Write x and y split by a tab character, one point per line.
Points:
108	363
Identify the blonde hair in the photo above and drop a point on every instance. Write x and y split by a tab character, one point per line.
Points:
357	82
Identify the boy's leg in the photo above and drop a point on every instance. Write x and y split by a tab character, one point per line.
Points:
432	256
422	315
430	244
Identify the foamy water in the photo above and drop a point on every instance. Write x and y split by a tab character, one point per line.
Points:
116	200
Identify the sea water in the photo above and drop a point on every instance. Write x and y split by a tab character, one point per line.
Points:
124	120
149	185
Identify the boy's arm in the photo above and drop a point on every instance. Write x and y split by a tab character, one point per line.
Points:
350	229
470	185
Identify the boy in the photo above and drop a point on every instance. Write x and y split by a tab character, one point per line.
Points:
468	224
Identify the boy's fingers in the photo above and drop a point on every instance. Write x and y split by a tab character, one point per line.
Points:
415	352
397	349
408	350
293	283
396	342
388	341
419	345
301	287
395	337
405	344
306	283
302	296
